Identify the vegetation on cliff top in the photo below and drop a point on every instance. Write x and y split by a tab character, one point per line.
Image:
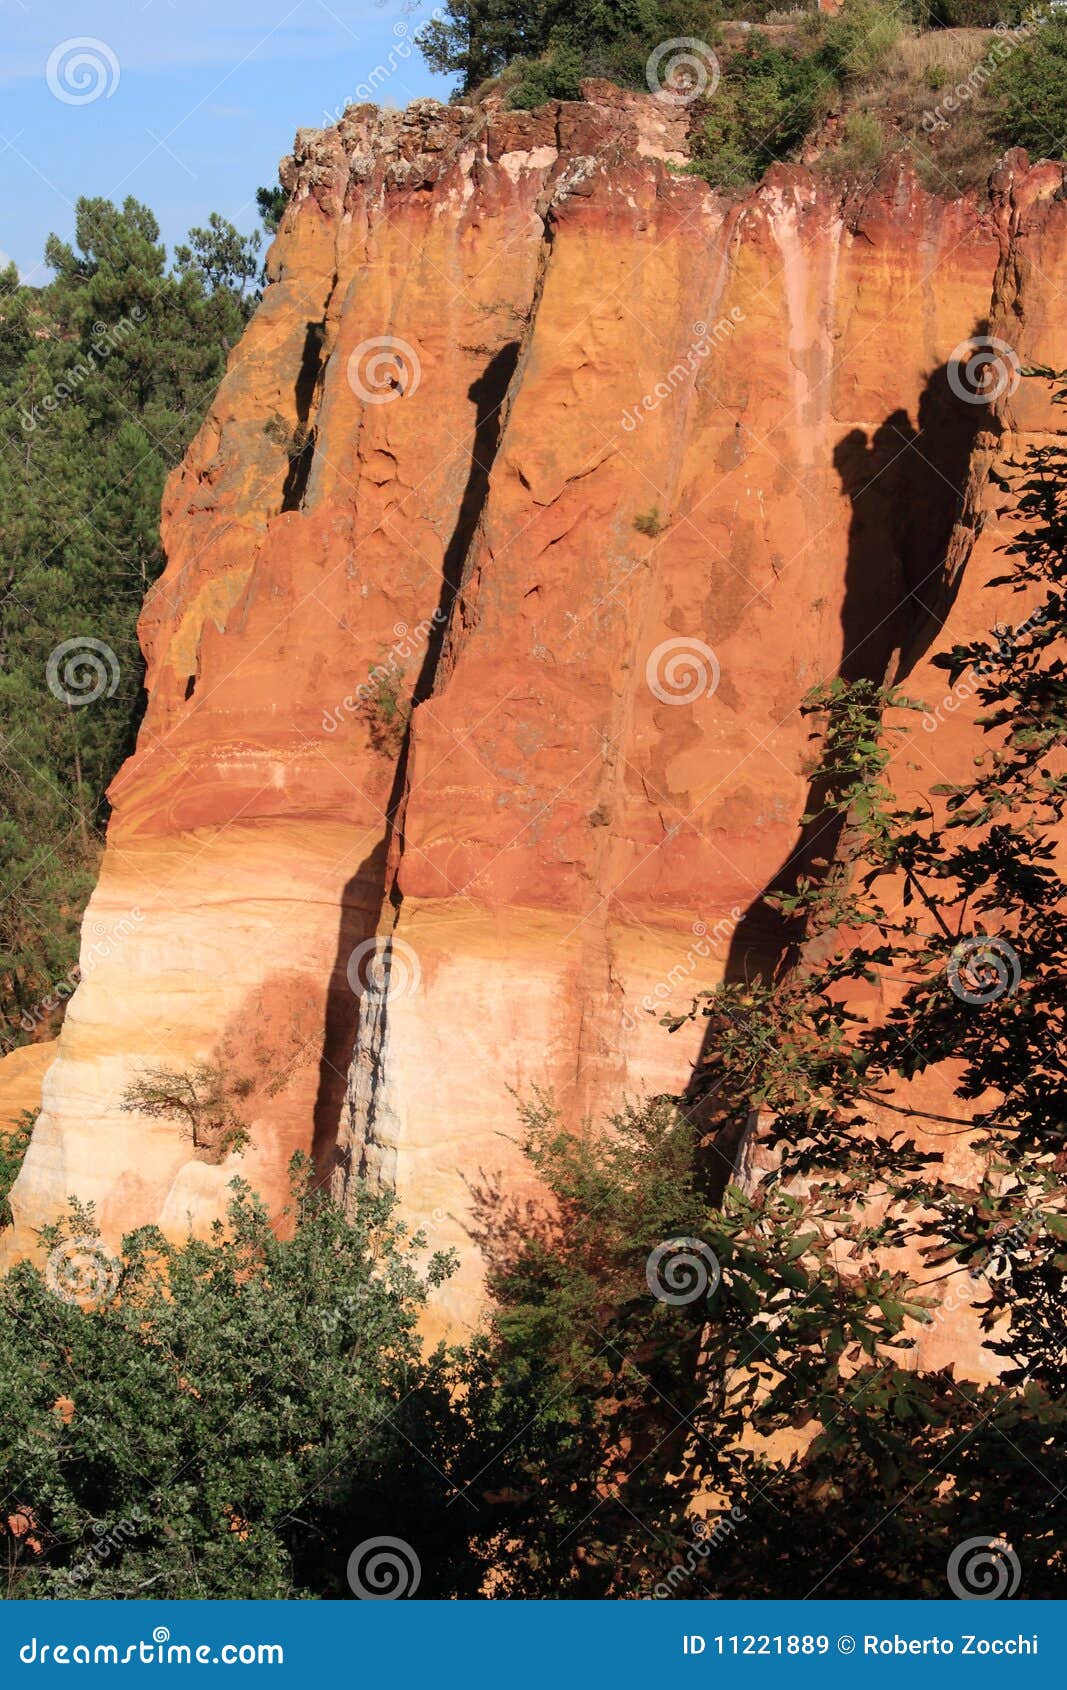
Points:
949	83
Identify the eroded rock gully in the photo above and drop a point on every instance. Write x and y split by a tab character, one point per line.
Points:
523	416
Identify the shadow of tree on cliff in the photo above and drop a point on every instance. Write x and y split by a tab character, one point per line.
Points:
500	1223
364	897
905	485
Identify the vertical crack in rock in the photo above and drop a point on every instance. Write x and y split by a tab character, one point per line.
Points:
302	447
365	1145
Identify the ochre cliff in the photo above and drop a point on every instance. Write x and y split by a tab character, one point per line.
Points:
1027	322
601	472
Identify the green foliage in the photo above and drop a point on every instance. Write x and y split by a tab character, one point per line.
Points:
855	41
220	256
863	143
476	39
640	1402
769	98
550	48
387	707
202	1101
774	94
649	522
229	1416
270	203
558	76
14	1144
973	14
105	374
1030	91
767	101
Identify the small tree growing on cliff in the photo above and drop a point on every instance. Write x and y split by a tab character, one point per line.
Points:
387	706
14	1143
200	1099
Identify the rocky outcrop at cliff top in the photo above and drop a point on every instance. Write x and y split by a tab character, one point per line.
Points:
594	472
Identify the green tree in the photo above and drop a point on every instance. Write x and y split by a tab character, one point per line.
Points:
105	375
270	203
475	39
226	1417
765	105
220	256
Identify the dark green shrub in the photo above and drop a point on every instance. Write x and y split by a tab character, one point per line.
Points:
1030	88
856	42
863	148
973	14
765	104
14	1143
557	77
226	1417
555	46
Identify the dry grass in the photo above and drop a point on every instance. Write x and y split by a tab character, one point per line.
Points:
903	95
956	50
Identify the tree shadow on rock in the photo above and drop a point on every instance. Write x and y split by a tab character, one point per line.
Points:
905	486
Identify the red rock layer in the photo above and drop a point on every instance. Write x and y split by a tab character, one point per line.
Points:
634	468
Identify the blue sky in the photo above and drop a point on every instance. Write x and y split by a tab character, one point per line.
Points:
193	101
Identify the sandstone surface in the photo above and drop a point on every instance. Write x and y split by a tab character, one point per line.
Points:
592	473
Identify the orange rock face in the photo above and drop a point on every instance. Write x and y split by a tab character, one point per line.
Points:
542	486
22	1072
